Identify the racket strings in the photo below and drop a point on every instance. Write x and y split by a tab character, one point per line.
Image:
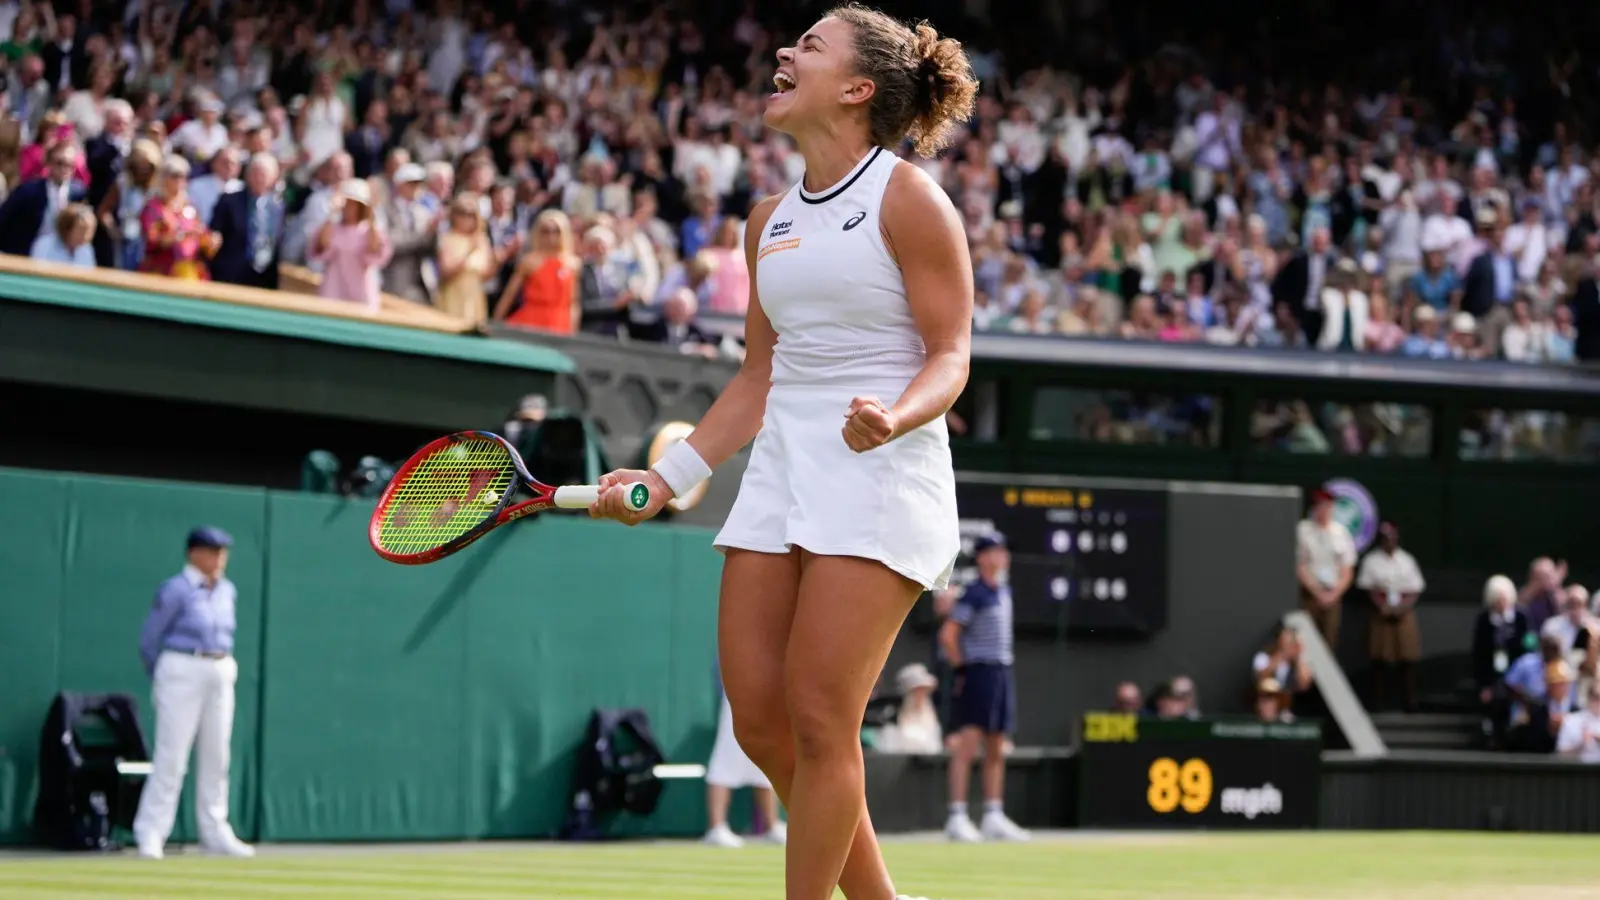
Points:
445	495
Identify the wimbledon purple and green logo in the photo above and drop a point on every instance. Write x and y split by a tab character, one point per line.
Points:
1354	507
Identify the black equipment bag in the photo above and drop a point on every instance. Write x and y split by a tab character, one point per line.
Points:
82	795
615	772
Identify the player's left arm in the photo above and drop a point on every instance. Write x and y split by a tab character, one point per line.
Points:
925	236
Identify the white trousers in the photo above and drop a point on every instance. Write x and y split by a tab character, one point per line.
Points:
193	699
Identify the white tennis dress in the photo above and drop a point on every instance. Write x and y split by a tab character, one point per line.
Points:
837	301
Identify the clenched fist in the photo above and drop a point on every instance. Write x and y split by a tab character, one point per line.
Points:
868	424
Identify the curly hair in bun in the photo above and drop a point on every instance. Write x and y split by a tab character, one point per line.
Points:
924	87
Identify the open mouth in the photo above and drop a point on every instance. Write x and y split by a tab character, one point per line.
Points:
784	82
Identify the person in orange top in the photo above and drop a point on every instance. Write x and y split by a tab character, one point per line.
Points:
543	291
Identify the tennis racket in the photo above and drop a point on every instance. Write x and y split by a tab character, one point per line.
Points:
458	489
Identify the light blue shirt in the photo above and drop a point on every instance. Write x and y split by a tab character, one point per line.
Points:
1527	676
205	191
1505	277
189	616
1420	347
1559	348
50	248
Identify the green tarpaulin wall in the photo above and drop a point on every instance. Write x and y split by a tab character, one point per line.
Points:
375	701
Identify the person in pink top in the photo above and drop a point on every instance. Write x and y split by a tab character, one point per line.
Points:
352	247
1384	334
730	279
34	161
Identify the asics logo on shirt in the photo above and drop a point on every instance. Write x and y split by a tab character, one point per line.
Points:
855	220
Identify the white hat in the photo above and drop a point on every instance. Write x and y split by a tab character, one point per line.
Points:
1464	323
913	676
410	173
356	189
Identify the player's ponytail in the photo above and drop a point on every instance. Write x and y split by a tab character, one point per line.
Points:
924	87
945	90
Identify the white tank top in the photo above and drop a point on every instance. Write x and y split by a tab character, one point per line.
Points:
833	293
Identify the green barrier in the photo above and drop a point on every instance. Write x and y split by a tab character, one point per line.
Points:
33	515
84	556
375	702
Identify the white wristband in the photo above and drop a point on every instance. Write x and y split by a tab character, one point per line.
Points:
681	468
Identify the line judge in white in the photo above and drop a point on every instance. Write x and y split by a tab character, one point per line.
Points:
187	647
847	511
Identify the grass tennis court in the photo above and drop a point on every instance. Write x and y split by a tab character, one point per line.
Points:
1071	866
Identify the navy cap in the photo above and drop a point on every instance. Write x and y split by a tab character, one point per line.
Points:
209	536
992	539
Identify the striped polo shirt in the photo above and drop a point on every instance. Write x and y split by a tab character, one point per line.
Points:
984	613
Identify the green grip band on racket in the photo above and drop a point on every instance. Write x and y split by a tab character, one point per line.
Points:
584	496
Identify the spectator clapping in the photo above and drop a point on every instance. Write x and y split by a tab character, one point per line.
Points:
1162	200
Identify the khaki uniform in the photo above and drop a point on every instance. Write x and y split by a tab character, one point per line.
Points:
1392	639
1325	552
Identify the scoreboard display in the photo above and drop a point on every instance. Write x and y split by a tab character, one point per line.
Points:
1136	771
1084	558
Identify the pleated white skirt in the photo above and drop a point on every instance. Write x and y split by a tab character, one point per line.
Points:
895	504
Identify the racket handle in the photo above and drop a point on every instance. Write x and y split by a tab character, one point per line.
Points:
583	496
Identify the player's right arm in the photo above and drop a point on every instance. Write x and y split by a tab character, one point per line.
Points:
735	417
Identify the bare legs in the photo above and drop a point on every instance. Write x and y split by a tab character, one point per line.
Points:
717	799
802	643
768	802
967	742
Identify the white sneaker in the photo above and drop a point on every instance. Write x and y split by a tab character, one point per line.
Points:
996	827
961	830
232	847
723	836
149	848
778	833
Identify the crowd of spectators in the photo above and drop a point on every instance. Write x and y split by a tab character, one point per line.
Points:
570	169
1535	653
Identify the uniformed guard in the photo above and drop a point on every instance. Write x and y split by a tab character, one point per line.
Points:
977	640
187	647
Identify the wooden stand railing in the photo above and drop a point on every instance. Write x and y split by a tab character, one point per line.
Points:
297	294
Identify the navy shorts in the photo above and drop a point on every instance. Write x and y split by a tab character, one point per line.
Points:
984	696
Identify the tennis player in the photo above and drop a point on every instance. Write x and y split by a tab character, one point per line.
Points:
858	341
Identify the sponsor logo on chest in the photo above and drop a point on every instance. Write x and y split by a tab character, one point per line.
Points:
779	229
776	247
